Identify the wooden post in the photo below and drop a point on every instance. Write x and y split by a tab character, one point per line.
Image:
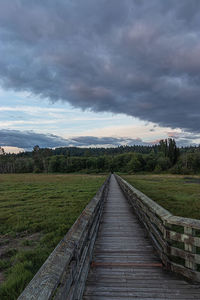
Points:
190	248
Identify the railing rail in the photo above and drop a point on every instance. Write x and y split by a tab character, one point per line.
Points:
64	273
176	239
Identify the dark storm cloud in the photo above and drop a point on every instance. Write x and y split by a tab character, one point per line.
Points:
141	58
28	139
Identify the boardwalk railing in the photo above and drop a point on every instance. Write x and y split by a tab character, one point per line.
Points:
176	239
64	273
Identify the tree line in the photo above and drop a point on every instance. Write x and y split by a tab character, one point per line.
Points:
163	157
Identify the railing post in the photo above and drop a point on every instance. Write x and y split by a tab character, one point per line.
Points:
64	273
189	247
176	239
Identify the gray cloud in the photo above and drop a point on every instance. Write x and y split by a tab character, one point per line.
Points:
105	141
185	143
28	139
135	57
184	139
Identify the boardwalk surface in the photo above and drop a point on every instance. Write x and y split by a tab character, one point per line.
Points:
125	265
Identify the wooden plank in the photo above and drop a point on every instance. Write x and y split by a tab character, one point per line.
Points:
195	258
59	272
159	210
190	248
193	275
123	261
187	222
145	293
182	237
96	297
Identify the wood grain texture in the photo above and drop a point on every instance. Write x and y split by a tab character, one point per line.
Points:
125	264
176	239
64	273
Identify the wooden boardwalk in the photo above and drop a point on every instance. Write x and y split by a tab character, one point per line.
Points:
125	265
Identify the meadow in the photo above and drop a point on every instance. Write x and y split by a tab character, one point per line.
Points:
36	211
177	193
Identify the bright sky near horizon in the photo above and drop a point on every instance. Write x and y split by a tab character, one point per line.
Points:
99	73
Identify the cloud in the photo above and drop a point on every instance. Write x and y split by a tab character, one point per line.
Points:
13	150
106	141
28	139
32	109
184	139
141	58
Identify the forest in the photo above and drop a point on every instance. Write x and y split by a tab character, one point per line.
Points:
164	157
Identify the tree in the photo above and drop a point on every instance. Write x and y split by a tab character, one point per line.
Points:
169	149
137	163
38	165
2	151
150	162
54	163
163	163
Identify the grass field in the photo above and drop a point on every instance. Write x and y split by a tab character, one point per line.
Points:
36	211
178	194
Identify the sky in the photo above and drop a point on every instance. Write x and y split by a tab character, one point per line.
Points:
99	73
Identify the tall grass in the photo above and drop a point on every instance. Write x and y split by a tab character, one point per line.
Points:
36	211
178	194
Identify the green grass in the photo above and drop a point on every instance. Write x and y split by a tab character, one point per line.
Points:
178	194
36	211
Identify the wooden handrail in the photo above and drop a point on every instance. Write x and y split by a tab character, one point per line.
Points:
176	239
64	273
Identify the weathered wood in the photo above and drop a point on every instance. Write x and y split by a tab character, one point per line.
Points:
187	222
191	264
184	238
149	220
193	258
134	193
165	230
63	274
124	263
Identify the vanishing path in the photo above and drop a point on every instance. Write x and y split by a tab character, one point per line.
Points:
125	265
